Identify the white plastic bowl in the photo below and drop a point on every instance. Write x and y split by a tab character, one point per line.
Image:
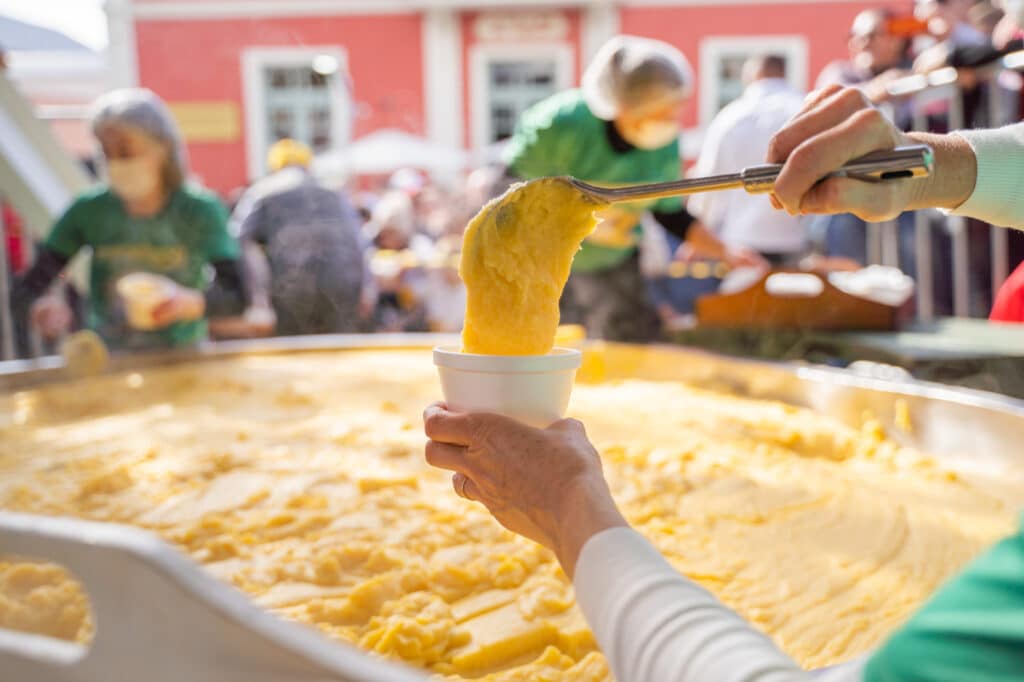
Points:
533	389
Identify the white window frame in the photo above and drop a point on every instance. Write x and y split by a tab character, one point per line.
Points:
481	56
793	47
254	63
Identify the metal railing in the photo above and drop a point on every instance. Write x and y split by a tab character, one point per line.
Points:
6	316
923	94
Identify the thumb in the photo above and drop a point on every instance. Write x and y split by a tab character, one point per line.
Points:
873	202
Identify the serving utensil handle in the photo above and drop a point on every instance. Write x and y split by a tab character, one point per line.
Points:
910	161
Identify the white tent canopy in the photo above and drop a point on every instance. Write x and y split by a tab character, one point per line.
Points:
387	150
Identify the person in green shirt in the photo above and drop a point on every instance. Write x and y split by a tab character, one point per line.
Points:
144	218
621	127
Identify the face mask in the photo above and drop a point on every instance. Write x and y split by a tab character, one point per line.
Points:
132	179
653	134
1015	10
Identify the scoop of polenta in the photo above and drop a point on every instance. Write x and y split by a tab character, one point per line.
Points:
516	256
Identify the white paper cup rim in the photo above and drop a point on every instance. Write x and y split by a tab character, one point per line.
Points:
558	360
163	285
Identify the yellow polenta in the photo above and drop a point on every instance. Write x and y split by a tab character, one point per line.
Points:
516	256
300	480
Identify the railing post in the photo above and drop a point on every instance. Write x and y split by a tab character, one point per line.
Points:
924	270
873	247
891	243
999	244
958	226
6	316
923	265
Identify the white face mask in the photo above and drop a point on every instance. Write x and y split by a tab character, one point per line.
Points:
1015	10
132	179
653	134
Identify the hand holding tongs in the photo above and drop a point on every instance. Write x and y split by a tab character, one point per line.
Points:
912	161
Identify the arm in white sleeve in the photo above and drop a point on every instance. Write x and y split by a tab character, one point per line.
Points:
998	196
654	625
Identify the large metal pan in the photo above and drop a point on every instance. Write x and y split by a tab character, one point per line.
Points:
973	429
970	430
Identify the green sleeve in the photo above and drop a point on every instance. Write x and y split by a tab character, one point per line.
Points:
68	233
540	147
972	629
217	242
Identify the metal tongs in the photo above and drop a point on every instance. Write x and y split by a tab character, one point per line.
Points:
912	161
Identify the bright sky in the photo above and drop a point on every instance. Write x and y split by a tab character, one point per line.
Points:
83	20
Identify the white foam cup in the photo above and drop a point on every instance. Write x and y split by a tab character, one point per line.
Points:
142	293
533	389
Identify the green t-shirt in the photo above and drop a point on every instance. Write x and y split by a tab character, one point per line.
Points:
559	136
972	629
189	233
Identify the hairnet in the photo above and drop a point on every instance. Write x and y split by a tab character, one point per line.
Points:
629	71
288	152
143	109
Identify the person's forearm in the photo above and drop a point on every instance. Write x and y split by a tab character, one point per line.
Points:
954	176
34	283
257	272
998	155
588	509
653	624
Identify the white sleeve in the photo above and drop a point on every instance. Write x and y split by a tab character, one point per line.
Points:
654	625
998	196
709	207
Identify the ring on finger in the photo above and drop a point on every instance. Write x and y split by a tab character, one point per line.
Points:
460	485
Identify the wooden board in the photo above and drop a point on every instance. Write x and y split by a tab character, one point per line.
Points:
757	308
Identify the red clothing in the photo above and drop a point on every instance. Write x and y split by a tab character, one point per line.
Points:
1009	303
13	234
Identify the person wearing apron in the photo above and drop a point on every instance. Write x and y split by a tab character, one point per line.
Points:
143	219
622	126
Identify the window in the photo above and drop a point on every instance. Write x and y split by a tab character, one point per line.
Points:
287	97
514	87
507	80
297	103
721	64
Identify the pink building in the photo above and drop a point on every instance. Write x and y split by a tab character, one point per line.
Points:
240	73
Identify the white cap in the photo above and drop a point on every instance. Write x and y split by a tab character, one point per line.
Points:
628	70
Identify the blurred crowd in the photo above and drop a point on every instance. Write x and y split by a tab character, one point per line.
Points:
380	259
291	254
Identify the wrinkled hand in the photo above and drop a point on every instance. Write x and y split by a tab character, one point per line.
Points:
51	317
545	484
185	305
836	125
